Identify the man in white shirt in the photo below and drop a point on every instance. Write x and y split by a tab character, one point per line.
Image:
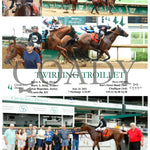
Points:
41	137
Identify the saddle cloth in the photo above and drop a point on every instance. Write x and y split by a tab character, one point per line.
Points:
34	8
105	132
98	1
95	36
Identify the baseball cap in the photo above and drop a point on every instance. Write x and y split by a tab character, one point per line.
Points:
30	44
34	27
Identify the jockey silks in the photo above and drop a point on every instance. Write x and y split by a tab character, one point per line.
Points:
35	37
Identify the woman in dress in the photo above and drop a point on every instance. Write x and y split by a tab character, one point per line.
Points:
20	139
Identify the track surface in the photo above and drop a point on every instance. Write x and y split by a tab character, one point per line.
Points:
82	65
63	12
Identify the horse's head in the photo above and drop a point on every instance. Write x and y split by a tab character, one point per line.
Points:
18	4
121	32
72	32
83	127
11	53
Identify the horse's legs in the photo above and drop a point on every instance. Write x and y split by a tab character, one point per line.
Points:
98	146
112	6
118	145
107	53
61	48
62	6
66	57
72	53
96	10
92	9
95	143
100	55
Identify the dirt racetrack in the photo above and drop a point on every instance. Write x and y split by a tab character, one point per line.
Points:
36	2
82	65
63	12
100	65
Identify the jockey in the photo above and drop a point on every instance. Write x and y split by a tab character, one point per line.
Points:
102	124
29	2
88	29
50	24
35	37
102	31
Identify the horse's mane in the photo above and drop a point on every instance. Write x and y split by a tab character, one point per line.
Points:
22	44
107	33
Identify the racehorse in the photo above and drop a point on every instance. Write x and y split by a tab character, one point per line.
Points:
105	3
15	49
25	9
89	41
112	133
54	40
67	2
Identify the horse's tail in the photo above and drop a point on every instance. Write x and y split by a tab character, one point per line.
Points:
70	43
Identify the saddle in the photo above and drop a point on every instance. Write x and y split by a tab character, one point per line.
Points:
104	133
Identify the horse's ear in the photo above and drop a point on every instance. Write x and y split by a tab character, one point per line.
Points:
117	26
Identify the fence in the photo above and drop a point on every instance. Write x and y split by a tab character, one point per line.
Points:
128	46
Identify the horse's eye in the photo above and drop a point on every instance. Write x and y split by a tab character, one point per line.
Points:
12	50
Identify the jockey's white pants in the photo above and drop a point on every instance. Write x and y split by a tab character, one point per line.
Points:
100	129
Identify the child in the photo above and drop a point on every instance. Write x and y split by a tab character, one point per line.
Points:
24	138
34	132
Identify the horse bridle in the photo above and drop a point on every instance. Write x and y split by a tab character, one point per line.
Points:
120	32
72	32
14	50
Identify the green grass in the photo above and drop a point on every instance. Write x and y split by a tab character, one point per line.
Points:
132	1
137	38
125	1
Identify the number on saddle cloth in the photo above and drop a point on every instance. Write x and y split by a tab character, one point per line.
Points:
34	8
94	37
105	132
